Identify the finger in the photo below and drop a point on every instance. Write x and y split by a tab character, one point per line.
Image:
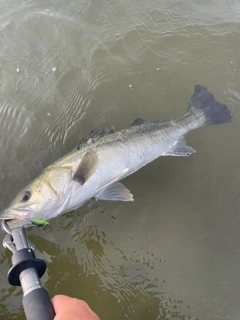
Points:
71	308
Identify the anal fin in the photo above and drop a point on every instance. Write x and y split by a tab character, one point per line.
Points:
180	149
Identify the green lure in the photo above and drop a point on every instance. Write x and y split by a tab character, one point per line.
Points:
39	222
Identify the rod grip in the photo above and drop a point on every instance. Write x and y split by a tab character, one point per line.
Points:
37	305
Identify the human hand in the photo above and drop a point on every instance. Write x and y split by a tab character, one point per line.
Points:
70	308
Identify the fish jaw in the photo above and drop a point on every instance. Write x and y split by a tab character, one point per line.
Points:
16	218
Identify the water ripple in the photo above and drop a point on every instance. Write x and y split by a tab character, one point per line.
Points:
69	67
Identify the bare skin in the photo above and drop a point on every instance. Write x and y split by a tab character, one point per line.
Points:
71	308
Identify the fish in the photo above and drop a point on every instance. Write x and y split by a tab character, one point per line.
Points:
95	167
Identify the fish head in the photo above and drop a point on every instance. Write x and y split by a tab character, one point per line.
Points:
44	199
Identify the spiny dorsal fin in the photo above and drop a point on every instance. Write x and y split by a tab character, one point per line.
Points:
137	122
96	134
93	136
86	167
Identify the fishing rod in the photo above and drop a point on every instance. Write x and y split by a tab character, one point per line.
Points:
26	272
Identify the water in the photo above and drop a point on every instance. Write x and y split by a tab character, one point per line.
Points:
69	67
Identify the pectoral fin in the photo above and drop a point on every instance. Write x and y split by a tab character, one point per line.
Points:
86	167
115	191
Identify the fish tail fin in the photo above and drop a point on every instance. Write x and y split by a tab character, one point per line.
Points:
214	111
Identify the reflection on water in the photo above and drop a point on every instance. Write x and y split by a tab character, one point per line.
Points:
127	283
67	68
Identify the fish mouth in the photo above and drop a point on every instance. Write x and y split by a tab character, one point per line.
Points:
15	220
16	223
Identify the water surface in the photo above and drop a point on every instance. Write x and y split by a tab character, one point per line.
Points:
67	68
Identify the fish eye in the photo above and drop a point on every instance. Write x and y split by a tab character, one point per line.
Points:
26	196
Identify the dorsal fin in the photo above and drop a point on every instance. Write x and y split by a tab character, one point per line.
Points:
86	167
93	136
137	122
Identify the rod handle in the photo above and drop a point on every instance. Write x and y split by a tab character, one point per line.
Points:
37	305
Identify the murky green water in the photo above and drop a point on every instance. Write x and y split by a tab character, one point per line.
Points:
69	67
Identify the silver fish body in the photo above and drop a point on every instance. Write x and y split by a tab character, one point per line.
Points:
95	167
